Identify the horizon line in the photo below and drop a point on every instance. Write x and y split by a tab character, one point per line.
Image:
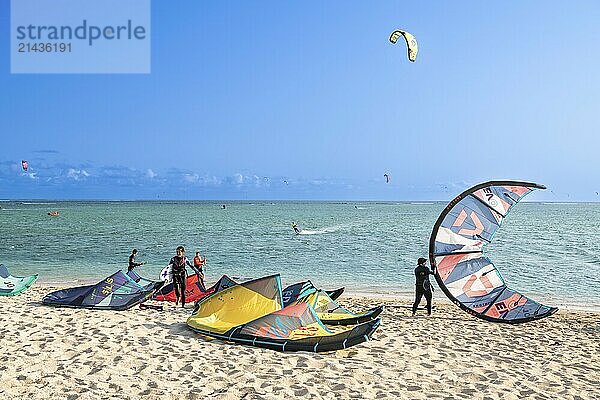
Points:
6	200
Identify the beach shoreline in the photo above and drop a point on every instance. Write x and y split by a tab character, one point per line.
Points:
88	354
376	294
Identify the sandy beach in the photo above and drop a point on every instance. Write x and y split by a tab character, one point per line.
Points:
50	353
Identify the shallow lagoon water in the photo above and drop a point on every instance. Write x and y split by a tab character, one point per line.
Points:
548	251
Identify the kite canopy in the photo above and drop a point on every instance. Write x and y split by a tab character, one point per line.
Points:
194	289
14	285
335	294
117	292
466	276
292	292
252	313
143	281
326	308
296	291
411	43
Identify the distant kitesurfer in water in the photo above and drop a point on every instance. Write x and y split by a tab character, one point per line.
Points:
422	285
178	264
132	262
296	229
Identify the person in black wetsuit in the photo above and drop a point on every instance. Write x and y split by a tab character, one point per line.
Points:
132	262
422	285
178	264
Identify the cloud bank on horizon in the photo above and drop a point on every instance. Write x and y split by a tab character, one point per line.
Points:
61	180
46	179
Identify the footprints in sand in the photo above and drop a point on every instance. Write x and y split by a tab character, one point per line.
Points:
82	354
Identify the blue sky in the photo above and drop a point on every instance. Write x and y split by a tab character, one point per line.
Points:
246	95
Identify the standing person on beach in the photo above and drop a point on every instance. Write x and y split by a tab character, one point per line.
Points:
199	264
422	285
178	264
132	262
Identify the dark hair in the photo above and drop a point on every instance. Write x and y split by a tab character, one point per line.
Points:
180	248
421	261
134	251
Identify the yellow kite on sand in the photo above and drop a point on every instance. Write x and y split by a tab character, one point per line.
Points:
252	313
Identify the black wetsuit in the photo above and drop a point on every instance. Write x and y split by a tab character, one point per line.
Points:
178	264
132	263
422	287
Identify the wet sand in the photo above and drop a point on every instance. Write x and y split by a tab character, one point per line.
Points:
58	353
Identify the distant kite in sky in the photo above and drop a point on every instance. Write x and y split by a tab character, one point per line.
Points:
387	178
286	182
25	165
411	43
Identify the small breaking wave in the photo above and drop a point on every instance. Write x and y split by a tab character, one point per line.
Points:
319	231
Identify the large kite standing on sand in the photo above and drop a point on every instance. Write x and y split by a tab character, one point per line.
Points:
463	272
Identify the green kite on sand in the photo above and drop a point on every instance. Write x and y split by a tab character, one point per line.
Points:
14	285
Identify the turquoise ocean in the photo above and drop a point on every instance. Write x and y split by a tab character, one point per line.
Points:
549	251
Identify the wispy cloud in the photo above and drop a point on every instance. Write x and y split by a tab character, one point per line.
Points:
77	174
48	151
150	174
191	178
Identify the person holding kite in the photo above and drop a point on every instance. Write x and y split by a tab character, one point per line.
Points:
422	285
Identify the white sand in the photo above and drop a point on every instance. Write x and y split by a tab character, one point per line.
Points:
58	353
